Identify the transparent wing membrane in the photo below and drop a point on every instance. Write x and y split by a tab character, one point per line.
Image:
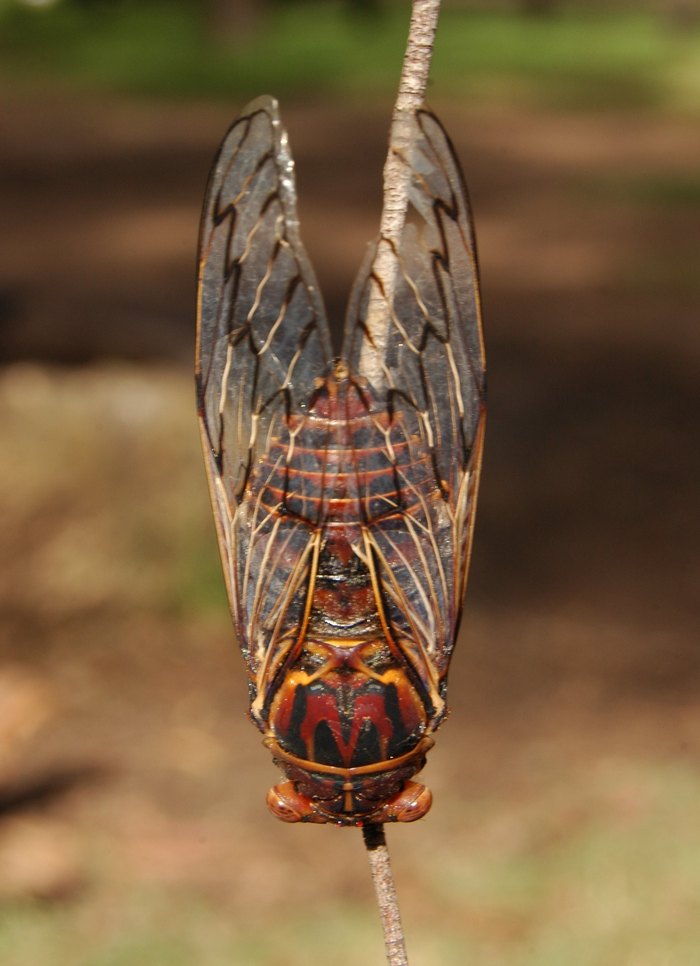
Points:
414	332
262	339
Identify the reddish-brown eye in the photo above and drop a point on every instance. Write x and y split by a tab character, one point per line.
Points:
285	804
411	803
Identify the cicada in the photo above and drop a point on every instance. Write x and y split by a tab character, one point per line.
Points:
344	488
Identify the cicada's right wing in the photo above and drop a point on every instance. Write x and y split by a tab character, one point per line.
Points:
414	332
262	340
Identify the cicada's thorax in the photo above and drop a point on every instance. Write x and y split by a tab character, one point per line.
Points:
346	714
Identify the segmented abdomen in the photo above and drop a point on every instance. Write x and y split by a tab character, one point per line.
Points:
339	464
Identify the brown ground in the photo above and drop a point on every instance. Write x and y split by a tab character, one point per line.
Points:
129	762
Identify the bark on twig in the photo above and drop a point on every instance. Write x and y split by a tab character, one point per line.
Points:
412	87
385	890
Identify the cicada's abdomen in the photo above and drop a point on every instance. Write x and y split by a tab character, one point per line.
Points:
347	714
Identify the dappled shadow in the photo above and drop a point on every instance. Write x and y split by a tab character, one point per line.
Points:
38	792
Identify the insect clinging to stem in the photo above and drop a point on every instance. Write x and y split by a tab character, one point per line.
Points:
344	489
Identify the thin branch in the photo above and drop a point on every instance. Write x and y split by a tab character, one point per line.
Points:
412	87
385	890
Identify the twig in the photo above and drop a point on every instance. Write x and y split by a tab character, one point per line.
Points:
412	87
411	93
385	890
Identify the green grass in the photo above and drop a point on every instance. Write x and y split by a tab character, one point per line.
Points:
164	930
309	48
616	881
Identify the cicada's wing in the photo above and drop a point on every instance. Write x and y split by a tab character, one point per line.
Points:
262	339
414	332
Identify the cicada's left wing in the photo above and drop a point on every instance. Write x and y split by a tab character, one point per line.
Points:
414	332
262	339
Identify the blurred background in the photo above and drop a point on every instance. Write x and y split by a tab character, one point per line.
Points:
567	782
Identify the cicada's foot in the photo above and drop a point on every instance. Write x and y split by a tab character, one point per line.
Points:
408	805
289	805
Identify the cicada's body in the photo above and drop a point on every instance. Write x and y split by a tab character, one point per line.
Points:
344	490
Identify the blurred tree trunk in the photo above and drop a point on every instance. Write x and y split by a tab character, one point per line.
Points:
234	21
